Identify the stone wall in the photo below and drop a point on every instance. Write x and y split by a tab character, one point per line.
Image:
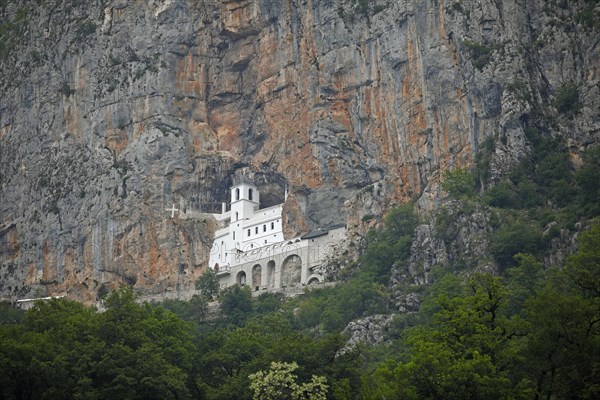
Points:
293	263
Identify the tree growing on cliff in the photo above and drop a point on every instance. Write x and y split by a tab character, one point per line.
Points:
208	284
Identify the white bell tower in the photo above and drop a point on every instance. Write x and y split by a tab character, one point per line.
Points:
245	200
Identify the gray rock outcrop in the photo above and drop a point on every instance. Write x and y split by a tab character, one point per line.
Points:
113	111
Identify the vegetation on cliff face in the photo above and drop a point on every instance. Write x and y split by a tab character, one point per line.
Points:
511	313
528	332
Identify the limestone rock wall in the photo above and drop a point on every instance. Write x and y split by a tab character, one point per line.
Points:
112	111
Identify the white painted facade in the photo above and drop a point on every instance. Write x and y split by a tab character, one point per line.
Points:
250	249
245	227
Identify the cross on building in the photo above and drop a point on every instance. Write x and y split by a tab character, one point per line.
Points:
172	209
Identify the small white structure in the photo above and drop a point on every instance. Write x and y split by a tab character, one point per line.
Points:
250	249
26	304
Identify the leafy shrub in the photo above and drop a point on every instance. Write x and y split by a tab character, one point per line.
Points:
519	87
566	101
85	29
515	236
480	54
390	245
13	32
503	195
445	228
528	194
459	183
554	167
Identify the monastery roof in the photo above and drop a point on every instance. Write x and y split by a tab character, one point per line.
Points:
314	234
321	232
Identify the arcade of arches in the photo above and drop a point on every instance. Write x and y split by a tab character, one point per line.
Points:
289	275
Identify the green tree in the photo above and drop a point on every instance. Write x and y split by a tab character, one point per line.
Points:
459	183
149	352
10	314
279	383
390	245
566	101
513	237
583	267
208	284
524	281
563	341
236	304
467	352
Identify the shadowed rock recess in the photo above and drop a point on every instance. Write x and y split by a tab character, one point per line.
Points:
113	111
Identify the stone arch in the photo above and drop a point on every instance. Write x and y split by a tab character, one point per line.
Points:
291	271
271	274
240	278
256	277
313	280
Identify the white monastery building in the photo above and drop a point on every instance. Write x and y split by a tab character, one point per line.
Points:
250	248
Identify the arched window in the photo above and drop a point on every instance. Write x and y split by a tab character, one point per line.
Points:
237	193
249	194
272	225
249	232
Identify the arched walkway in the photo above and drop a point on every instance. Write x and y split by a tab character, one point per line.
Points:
256	277
271	274
291	271
240	279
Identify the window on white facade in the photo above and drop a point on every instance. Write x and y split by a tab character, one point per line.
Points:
264	228
256	230
237	193
272	225
237	215
249	232
250	194
233	235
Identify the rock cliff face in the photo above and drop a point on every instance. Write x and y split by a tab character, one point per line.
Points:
113	111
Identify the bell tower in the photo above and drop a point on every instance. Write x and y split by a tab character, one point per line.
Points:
245	200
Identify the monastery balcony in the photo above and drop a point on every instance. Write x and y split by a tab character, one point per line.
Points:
224	270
